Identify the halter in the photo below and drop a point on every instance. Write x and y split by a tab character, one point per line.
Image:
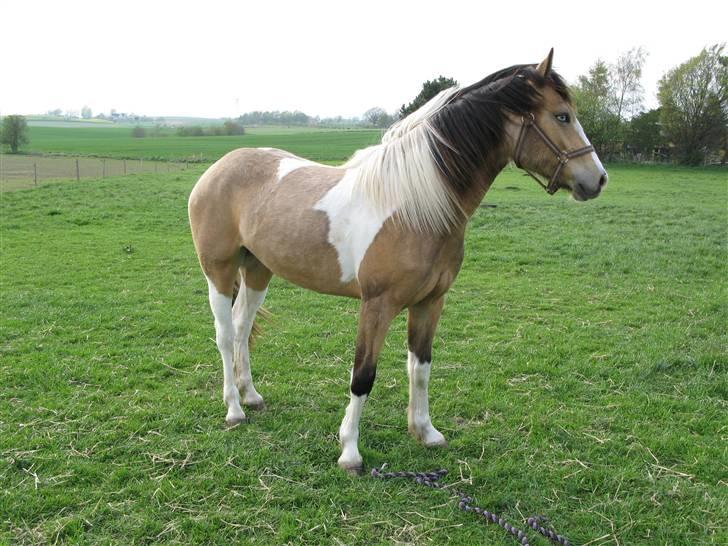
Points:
562	156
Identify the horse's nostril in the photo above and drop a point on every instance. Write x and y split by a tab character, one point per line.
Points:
603	181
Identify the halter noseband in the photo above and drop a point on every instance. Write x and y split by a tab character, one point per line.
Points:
562	156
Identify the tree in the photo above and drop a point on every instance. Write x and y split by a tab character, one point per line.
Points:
594	98
378	117
275	118
429	89
14	132
627	87
694	105
86	112
646	132
607	97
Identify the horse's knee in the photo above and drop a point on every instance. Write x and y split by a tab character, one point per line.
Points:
362	380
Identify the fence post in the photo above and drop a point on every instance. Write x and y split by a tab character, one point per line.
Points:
78	172
103	168
125	166
35	173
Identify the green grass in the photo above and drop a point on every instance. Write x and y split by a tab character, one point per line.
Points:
579	372
330	146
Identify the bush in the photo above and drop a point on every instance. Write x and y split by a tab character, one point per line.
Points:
226	129
138	132
192	130
231	127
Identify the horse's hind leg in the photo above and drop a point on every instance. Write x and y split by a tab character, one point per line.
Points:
220	276
254	279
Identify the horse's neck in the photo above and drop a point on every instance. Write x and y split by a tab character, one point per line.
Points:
470	200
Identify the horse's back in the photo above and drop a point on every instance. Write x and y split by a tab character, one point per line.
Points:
264	200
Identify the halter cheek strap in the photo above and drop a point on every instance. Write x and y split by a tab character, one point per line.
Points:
563	157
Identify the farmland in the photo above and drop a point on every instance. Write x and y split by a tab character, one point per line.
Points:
580	370
19	171
329	146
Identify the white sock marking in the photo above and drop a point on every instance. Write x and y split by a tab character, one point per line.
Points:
221	306
353	223
244	310
418	412
349	432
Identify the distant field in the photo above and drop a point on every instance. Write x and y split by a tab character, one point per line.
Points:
25	171
324	145
580	370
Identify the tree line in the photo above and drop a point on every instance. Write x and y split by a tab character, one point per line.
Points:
690	125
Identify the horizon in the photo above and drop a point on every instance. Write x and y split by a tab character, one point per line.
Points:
322	58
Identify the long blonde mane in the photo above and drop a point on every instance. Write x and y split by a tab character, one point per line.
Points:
401	173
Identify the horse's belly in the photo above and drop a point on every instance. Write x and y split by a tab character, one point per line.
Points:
299	253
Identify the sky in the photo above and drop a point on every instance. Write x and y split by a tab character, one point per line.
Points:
222	58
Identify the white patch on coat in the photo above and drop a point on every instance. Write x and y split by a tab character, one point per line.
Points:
418	411
353	223
289	164
266	149
595	158
402	172
349	432
222	309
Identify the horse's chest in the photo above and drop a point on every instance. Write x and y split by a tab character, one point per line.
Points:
352	225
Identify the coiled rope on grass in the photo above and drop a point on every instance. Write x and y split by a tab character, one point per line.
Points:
465	503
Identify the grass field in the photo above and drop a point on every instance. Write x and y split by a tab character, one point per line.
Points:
579	372
330	146
20	171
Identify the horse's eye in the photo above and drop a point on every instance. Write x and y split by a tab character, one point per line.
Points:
563	118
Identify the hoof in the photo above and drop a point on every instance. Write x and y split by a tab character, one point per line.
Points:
355	469
435	442
257	405
235	421
429	437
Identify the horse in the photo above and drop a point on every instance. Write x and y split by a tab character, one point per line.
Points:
386	227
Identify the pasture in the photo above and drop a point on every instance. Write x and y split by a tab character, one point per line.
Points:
324	145
579	371
19	171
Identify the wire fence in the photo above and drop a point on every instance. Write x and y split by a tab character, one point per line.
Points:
23	171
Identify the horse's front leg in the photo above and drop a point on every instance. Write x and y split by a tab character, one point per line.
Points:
421	325
374	319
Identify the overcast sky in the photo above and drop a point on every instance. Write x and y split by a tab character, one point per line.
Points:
222	58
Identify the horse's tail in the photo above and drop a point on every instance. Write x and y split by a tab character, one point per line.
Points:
256	331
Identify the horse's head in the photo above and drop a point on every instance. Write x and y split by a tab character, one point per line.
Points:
551	142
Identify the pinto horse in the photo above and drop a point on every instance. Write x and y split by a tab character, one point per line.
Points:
386	227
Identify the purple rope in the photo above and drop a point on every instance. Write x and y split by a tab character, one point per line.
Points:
465	503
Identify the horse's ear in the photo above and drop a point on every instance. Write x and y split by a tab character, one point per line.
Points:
545	67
